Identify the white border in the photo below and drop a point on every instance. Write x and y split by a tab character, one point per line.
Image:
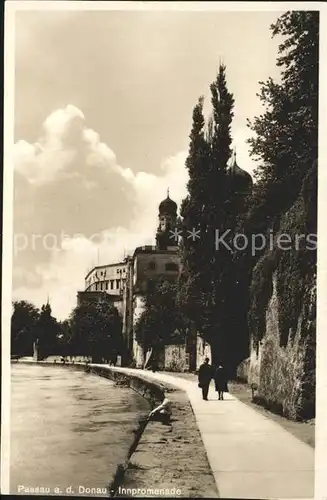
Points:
321	353
9	43
7	249
162	6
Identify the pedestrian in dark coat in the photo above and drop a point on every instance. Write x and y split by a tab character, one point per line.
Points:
221	381
154	366
205	376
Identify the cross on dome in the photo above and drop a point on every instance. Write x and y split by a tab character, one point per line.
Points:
168	206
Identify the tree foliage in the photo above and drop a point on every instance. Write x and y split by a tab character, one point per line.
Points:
160	322
286	146
65	338
47	332
95	330
23	328
29	325
202	282
192	277
285	141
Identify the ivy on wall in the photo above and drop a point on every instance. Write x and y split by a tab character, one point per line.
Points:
287	371
260	292
297	267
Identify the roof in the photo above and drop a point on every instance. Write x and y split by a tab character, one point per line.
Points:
240	179
153	249
123	263
168	206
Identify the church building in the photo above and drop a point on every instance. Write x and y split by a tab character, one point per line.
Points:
125	284
145	265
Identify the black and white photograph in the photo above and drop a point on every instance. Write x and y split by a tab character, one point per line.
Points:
162	293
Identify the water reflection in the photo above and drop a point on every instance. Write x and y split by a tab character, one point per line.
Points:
68	428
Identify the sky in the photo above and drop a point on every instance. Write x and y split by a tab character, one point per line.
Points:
103	108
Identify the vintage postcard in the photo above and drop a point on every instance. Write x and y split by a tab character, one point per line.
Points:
164	291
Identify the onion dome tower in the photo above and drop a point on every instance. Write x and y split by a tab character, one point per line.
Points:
167	223
239	181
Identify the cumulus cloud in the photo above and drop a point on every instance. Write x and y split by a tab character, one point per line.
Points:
75	206
64	138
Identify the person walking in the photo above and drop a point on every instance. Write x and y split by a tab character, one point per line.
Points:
205	376
221	381
154	365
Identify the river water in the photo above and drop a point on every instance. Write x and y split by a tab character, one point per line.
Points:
69	430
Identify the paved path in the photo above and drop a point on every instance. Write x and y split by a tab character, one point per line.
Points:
250	455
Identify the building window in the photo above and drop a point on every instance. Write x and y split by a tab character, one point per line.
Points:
117	283
171	266
151	266
107	285
111	284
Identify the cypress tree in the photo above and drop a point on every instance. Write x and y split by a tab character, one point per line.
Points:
192	280
218	257
204	267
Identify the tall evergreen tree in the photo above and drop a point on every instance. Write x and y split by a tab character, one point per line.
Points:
204	267
192	277
218	257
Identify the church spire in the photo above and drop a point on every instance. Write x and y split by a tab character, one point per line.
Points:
234	156
167	222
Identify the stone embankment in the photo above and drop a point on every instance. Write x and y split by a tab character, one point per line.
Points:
163	460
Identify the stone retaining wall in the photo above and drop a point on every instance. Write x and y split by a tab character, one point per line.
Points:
162	458
153	392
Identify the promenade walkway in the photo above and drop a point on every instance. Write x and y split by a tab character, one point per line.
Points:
250	455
